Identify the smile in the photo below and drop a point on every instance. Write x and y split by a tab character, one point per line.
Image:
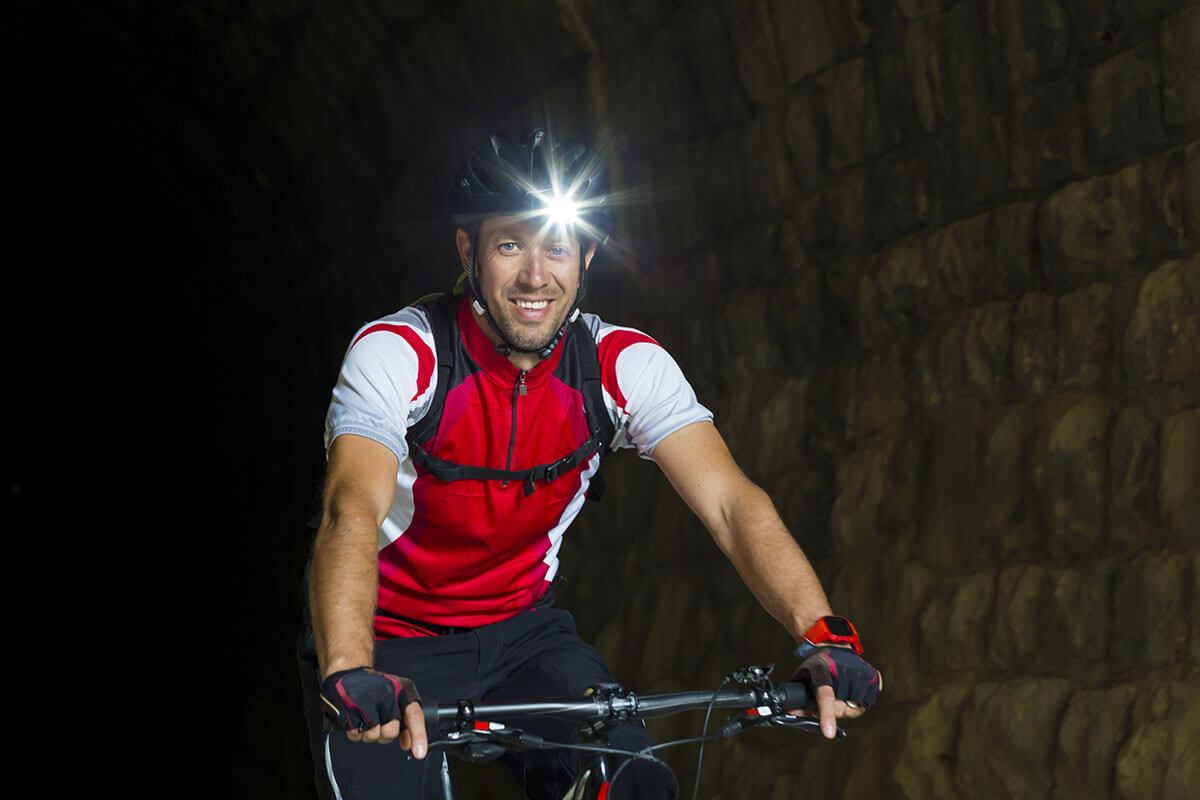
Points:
533	305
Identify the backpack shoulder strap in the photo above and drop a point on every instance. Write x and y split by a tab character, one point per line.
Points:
588	353
440	310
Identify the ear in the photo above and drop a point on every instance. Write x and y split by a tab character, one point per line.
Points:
462	240
587	256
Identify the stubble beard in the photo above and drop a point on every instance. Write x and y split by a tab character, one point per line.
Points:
528	341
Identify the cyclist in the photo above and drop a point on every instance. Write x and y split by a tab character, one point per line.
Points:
462	436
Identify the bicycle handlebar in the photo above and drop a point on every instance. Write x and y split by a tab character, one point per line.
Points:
613	705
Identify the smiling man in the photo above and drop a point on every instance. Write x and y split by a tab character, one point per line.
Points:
463	435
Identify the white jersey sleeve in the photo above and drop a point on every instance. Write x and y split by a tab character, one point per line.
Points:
386	381
646	391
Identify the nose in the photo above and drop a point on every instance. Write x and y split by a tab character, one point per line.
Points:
533	271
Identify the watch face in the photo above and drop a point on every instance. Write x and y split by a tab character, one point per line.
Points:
838	626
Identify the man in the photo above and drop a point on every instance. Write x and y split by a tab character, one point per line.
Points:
463	436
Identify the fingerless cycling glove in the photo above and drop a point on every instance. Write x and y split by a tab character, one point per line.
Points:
361	698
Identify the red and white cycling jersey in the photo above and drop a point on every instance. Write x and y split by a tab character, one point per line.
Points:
472	552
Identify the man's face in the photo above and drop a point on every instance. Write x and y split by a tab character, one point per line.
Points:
528	275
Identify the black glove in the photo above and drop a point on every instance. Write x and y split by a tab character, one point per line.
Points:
852	678
361	698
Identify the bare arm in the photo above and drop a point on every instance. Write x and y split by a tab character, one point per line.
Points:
359	489
344	580
745	525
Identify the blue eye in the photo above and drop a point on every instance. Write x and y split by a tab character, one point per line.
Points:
508	247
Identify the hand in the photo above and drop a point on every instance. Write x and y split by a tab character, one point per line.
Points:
844	685
367	705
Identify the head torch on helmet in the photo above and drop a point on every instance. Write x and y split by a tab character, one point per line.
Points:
533	178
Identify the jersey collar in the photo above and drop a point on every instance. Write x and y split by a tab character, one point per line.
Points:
483	351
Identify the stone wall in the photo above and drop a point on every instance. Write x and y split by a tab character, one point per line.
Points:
936	268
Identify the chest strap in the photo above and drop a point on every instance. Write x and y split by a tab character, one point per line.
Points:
443	321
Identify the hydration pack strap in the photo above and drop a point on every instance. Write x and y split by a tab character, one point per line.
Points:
442	320
449	471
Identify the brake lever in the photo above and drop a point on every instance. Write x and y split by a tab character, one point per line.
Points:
483	738
766	716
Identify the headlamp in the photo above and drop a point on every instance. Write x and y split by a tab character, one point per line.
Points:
558	209
562	211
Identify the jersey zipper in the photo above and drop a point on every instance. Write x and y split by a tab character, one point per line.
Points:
519	390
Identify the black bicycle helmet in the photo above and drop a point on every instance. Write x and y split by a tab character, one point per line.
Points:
536	177
533	176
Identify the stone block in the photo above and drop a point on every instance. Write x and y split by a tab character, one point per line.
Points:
851	107
756	52
1161	757
896	648
922	50
1071	476
953	626
1181	65
1165	207
905	284
1124	104
925	766
954	497
769	178
862	481
900	121
969	84
842	210
1194	603
1133	470
1085	337
804	130
1008	520
805	36
1017	627
1093	230
1092	729
1047	135
962	260
1035	343
1009	734
875	410
1190	194
903	191
1162	339
1031	39
987	348
782	424
1150	624
704	47
1013	238
1079	606
1179	487
973	159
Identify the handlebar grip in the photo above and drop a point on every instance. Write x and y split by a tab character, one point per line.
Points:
432	724
794	695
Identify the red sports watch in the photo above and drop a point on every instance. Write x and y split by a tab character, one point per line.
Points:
829	630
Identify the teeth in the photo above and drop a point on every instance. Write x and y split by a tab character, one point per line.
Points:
533	305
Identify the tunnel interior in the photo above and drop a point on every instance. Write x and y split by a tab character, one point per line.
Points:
934	264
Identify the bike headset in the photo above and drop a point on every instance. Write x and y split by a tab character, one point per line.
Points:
533	178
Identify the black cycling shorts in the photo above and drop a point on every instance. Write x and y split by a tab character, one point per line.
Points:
537	653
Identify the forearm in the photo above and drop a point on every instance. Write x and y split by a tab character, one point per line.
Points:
342	591
754	538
